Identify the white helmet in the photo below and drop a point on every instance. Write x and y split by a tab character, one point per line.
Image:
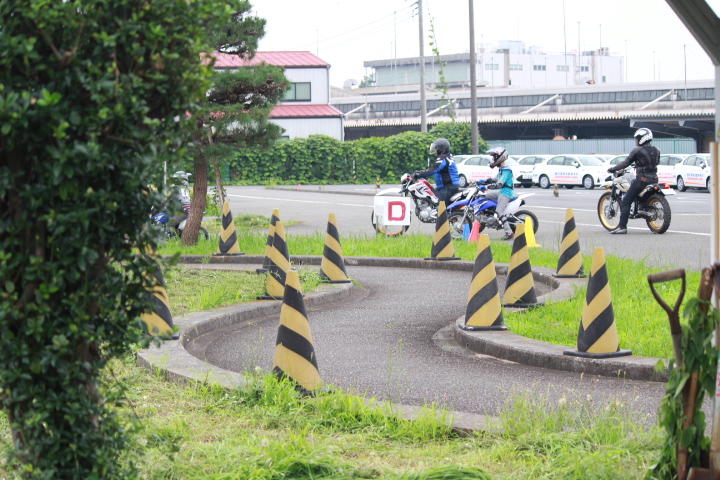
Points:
498	155
643	136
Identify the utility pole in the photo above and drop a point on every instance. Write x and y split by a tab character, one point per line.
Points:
473	82
567	67
423	106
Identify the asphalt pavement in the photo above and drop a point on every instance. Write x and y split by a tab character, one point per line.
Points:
386	341
686	244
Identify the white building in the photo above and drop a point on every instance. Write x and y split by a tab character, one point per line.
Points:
510	64
305	109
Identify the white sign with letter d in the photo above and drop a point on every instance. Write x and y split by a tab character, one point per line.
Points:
392	210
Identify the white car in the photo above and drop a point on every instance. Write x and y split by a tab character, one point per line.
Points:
693	172
472	168
571	170
526	167
667	166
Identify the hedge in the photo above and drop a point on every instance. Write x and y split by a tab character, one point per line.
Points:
322	159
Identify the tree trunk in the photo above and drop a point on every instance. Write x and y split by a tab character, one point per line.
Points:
197	205
218	183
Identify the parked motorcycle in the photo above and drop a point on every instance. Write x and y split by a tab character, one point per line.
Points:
656	211
162	220
476	207
424	198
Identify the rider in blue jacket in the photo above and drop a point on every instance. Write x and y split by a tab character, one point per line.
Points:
503	182
444	170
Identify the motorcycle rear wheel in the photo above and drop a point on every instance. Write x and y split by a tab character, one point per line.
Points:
608	210
660	208
388	230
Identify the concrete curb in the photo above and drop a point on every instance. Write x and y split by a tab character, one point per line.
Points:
178	365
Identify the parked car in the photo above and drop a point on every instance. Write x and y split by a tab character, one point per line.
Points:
615	160
693	172
472	168
571	170
526	167
605	158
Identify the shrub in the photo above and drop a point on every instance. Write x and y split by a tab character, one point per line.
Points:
92	97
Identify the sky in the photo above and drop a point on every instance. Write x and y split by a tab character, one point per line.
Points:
345	33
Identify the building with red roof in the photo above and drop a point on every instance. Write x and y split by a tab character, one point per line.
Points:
305	109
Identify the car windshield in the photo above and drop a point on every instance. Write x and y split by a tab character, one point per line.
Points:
590	161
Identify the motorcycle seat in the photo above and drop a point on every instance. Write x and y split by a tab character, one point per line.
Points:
456	196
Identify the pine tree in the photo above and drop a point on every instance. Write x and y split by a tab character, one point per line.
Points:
235	115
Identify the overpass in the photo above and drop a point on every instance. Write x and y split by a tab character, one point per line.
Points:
670	109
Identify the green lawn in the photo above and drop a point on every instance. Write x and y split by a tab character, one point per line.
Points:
642	324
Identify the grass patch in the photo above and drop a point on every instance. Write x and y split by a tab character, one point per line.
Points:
191	289
267	431
642	324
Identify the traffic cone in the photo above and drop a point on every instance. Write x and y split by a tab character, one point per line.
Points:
519	286
332	267
530	233
598	337
228	244
279	265
442	248
159	321
268	244
294	352
484	310
474	232
570	263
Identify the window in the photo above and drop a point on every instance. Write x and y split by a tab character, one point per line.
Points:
563	68
484	162
556	161
528	161
539	68
673	160
491	66
583	68
298	92
472	161
591	161
570	162
691	162
516	66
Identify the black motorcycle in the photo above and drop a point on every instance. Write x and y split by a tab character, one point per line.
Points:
651	204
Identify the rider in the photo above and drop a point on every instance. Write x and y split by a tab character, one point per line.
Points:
444	169
645	157
504	182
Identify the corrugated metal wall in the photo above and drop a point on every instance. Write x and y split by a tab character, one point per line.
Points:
599	145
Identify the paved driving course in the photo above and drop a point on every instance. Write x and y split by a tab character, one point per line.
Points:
379	342
686	244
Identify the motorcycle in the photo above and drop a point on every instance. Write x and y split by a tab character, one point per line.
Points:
424	198
476	207
162	220
656	211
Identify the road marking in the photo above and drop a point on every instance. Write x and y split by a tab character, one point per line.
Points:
563	208
298	201
631	228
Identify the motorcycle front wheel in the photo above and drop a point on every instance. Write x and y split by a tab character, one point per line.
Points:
608	210
659	209
389	230
457	225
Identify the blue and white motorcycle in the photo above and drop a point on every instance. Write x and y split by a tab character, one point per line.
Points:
476	207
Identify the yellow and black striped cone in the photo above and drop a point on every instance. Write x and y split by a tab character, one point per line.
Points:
278	267
442	248
294	352
228	243
332	267
159	321
484	309
274	218
519	286
570	263
598	337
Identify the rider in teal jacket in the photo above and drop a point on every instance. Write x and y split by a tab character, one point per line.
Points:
504	183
